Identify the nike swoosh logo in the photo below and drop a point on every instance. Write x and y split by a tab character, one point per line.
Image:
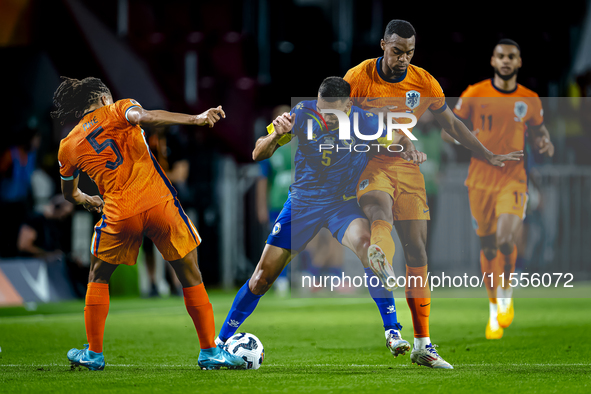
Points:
345	198
424	305
426	210
84	362
373	99
221	360
483	105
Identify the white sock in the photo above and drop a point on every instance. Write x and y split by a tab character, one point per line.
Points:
494	324
421	343
504	296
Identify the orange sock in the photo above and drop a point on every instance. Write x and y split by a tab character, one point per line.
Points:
201	311
490	267
381	235
506	265
419	300
95	314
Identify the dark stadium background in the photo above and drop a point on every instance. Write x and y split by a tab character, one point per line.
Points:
255	54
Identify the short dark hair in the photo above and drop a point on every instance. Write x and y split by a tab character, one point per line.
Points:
399	27
334	88
507	41
73	96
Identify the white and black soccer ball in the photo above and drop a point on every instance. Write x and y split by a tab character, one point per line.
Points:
247	346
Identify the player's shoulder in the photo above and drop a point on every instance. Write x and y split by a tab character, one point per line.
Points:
363	69
417	71
127	101
479	89
304	105
362	112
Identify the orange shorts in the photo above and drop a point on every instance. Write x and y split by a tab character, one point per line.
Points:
486	206
166	224
401	180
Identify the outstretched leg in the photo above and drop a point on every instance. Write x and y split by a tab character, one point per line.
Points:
196	298
489	257
413	235
201	311
507	226
272	262
357	239
96	310
377	206
97	302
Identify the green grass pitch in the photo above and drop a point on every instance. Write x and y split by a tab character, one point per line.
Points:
311	345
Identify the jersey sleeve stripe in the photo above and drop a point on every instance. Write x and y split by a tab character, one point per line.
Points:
440	110
70	178
127	110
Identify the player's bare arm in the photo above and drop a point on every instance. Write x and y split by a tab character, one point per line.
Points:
268	144
448	138
138	115
458	130
74	195
540	140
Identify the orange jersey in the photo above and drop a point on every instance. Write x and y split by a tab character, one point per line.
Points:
499	119
114	153
414	92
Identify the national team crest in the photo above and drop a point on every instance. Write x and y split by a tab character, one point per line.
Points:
364	183
413	99
276	228
520	109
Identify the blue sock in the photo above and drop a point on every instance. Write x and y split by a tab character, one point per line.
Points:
384	300
244	304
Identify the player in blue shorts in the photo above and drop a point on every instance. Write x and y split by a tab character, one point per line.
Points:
322	195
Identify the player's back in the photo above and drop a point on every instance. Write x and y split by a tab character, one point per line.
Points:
114	153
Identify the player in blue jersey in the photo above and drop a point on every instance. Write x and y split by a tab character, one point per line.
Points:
322	195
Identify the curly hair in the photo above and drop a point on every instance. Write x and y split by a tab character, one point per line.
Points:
399	27
73	96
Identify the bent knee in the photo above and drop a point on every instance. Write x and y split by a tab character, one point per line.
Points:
489	253
261	282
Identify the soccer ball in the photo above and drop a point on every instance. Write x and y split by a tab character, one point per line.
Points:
248	347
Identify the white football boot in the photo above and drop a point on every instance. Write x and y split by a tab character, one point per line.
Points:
428	357
395	343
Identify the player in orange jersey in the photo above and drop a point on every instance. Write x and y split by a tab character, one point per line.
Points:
109	145
392	190
499	110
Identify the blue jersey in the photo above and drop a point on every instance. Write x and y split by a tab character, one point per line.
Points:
327	175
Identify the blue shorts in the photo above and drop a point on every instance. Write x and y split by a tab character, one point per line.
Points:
297	225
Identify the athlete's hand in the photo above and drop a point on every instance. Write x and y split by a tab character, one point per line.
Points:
498	160
93	204
545	146
211	116
284	123
414	155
